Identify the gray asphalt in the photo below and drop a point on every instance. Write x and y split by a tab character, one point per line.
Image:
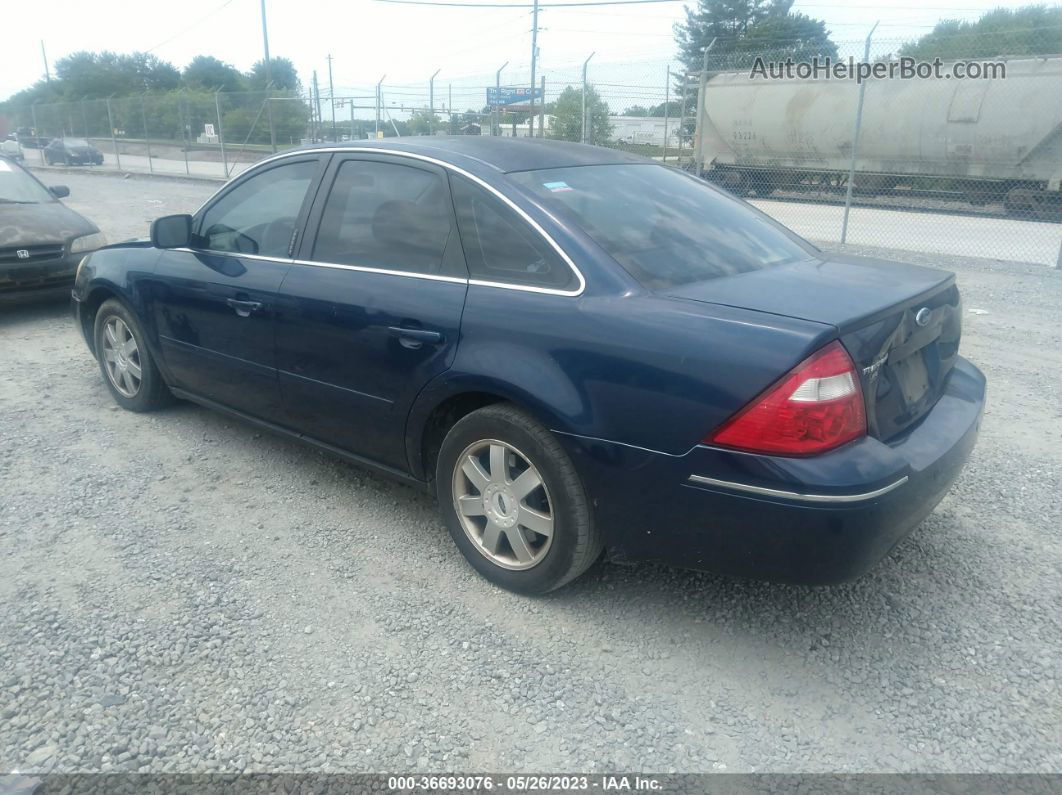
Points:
184	593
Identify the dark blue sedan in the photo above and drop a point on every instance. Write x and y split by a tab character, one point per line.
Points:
576	349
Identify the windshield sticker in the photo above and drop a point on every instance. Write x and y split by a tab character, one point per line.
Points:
557	187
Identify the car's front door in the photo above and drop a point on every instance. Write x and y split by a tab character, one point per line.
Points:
371	309
214	305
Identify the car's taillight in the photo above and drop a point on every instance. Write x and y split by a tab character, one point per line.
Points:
816	407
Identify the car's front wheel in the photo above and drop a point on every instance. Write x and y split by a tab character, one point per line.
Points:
514	504
129	372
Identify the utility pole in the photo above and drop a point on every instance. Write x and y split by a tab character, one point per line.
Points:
431	103
582	138
269	81
534	60
496	116
317	103
379	99
332	97
47	71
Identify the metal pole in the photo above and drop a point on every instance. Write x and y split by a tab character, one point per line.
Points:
496	120
431	103
582	137
352	118
114	141
534	63
450	105
682	112
47	71
702	88
332	98
269	81
542	117
378	99
221	133
667	108
37	131
855	141
84	118
317	104
147	135
1058	264
184	129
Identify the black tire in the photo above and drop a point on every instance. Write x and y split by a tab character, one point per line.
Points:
152	392
575	542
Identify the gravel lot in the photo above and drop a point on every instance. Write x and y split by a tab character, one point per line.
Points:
184	593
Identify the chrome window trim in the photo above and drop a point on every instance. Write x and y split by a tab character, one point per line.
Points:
384	271
793	495
217	253
442	164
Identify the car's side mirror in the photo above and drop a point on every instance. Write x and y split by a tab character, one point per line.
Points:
59	191
171	231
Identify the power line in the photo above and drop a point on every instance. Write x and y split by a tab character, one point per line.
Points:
199	21
528	5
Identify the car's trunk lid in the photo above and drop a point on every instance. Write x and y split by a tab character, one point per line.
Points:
900	323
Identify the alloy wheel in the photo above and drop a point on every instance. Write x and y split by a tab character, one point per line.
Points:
503	505
121	357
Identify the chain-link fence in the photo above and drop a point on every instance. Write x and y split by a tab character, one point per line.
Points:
930	163
182	132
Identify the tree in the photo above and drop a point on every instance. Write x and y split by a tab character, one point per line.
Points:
636	110
282	71
1030	30
105	73
742	29
568	110
424	123
207	72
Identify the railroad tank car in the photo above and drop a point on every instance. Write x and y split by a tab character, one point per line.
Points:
975	139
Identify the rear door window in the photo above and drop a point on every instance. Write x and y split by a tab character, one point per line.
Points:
389	216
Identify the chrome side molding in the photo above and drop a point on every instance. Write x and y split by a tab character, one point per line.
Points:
794	495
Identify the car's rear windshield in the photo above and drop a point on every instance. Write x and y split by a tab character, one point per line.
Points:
664	227
18	187
76	142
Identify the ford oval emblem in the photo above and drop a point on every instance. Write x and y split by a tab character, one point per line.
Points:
923	315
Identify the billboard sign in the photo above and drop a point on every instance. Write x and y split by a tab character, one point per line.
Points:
511	96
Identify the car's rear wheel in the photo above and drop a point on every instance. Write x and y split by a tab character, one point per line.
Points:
129	372
513	502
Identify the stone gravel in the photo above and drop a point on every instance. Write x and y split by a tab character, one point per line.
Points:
183	593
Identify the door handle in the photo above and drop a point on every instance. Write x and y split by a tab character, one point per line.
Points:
244	308
415	337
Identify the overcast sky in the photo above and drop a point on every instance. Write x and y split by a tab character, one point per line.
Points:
368	39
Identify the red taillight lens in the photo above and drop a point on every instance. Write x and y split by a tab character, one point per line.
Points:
816	407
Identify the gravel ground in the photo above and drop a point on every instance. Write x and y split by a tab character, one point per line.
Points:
184	593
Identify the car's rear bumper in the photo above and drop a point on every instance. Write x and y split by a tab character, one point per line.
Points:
816	520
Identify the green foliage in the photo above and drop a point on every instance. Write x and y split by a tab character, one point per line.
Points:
250	122
743	28
1030	30
281	70
424	123
106	73
206	72
636	110
568	110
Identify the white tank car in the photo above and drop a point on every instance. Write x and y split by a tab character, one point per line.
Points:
977	138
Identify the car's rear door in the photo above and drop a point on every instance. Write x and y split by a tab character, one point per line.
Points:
371	308
214	305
